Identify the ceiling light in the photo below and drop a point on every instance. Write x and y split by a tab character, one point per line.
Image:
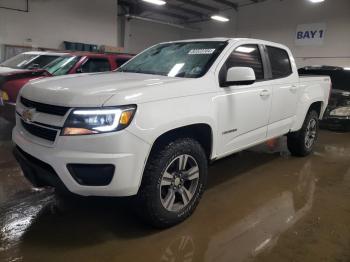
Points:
155	2
220	18
316	1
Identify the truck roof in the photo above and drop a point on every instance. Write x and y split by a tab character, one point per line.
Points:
258	41
45	53
83	53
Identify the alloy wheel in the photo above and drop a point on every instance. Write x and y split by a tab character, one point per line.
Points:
179	183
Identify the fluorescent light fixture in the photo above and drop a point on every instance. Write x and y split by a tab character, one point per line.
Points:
155	2
316	1
220	18
244	49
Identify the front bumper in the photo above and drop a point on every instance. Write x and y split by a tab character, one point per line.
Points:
126	152
8	111
37	172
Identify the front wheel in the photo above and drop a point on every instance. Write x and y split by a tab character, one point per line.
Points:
173	183
301	143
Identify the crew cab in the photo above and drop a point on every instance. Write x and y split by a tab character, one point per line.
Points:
11	81
150	129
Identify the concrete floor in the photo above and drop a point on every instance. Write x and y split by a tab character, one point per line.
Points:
260	205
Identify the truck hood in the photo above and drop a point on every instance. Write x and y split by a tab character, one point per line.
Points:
8	70
90	90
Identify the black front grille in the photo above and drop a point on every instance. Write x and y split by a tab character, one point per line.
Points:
39	131
45	108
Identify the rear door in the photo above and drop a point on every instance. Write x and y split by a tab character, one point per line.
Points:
284	83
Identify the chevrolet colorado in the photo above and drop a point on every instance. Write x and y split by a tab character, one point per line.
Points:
150	129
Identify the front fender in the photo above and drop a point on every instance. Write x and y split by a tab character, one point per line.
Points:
156	118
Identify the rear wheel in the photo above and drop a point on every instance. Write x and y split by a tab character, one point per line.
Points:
301	143
173	183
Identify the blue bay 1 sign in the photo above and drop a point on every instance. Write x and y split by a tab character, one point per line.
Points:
310	34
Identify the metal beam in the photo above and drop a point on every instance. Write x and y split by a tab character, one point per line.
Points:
200	5
137	8
228	3
166	13
185	10
162	22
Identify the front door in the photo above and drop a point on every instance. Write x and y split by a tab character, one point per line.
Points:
243	110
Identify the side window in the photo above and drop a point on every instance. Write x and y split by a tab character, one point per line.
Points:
280	63
121	61
245	56
96	65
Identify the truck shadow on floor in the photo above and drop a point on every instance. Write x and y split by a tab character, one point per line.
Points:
44	219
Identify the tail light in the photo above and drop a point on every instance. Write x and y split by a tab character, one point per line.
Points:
330	92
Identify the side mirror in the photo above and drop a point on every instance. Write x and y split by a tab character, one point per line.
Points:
240	76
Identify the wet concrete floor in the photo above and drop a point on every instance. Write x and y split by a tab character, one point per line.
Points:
260	205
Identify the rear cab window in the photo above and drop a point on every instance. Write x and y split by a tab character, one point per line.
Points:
280	62
96	65
121	61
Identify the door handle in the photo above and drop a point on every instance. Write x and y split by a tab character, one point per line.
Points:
293	88
265	93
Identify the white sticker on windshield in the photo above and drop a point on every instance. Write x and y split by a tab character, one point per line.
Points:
201	51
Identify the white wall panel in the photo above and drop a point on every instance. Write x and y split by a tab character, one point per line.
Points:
49	22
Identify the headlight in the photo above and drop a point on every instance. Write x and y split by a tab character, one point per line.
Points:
4	95
341	111
96	121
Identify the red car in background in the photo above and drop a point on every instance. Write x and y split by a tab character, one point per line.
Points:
11	81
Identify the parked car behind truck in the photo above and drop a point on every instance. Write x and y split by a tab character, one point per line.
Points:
337	115
150	129
11	82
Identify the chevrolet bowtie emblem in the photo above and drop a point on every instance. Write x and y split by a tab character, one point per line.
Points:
28	115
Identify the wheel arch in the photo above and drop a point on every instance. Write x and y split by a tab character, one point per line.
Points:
303	110
318	107
201	132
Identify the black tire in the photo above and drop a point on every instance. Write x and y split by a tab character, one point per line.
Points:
296	141
148	202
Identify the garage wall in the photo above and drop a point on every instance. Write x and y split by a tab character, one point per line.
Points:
215	29
49	22
141	34
277	21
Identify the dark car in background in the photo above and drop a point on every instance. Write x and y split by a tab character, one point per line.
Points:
11	81
337	115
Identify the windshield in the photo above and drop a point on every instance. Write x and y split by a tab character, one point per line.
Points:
62	65
183	59
28	61
19	61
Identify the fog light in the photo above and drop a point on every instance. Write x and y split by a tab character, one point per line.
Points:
92	174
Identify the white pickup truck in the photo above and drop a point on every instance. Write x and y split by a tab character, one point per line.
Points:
150	129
